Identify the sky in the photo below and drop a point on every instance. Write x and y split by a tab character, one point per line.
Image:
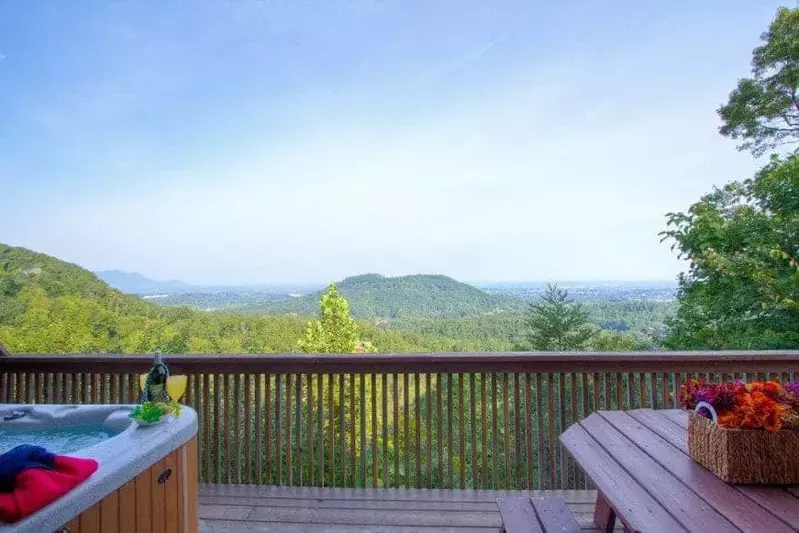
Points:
227	142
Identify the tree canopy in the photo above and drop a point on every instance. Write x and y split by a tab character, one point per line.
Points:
763	110
556	323
742	240
742	244
335	331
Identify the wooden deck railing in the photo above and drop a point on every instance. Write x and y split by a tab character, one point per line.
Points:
374	420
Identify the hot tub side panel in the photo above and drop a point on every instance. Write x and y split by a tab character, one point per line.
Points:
154	501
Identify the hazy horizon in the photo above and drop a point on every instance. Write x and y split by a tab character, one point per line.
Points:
317	140
478	282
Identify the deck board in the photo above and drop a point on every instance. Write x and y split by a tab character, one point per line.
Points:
268	509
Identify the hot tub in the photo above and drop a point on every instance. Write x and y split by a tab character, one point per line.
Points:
146	479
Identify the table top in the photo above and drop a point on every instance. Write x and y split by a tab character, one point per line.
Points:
639	461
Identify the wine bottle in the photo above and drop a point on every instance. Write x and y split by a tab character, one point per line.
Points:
155	386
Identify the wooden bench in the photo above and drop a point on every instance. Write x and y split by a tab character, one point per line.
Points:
525	514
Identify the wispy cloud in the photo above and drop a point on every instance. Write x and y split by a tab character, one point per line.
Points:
465	60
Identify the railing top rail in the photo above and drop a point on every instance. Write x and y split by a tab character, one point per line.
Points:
726	361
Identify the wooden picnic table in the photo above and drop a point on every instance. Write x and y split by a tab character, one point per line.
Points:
639	462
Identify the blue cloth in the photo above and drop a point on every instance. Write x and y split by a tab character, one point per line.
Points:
21	458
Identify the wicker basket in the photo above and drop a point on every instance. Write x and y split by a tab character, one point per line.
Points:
753	456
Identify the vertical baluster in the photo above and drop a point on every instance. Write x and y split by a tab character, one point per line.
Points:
619	391
494	430
552	452
517	430
311	442
440	431
190	395
406	448
429	402
219	388
247	427
396	423
585	395
47	387
331	415
418	413
484	433
206	436
229	410
564	473
353	471
86	388
596	404
4	383
58	386
32	388
133	389
630	390
449	425
362	412
19	379
384	396
785	378
298	426
289	434
268	465
29	383
505	424
278	430
641	390
259	461
342	424
375	460
653	386
461	431
96	389
105	380
320	420
236	419
667	400
528	429
574	418
473	419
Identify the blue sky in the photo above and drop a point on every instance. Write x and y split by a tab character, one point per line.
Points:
296	141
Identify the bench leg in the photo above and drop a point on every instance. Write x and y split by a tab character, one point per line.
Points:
604	515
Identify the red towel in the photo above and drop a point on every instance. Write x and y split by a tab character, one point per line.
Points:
36	487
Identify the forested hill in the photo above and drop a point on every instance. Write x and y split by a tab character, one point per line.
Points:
375	296
24	273
50	306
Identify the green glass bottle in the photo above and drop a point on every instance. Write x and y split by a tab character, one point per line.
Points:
155	385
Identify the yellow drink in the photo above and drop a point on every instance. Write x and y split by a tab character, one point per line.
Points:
176	386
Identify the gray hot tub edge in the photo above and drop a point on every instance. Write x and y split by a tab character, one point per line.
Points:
120	458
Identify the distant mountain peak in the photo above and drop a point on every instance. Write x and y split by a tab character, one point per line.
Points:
135	283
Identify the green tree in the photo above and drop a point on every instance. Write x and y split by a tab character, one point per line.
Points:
335	331
557	323
763	110
742	244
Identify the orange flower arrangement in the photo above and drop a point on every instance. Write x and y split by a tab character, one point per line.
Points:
756	405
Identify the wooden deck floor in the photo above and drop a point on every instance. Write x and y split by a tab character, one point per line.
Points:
262	509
